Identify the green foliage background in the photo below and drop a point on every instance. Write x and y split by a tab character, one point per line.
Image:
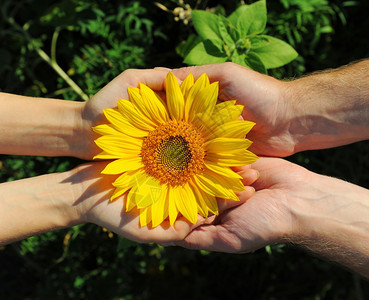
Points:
93	41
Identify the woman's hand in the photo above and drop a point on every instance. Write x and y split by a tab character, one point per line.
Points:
91	113
95	207
54	201
53	127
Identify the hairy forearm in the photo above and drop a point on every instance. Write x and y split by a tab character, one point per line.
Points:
35	205
333	222
35	126
330	108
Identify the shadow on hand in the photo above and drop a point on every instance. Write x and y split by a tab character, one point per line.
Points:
93	184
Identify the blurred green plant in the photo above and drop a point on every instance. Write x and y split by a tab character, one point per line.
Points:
237	38
298	19
307	25
92	41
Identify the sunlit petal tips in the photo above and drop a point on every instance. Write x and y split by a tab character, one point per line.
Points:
173	158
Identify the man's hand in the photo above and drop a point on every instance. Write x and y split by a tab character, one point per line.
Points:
319	111
263	98
291	204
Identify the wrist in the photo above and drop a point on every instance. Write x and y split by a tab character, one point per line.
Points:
329	109
67	194
87	116
36	205
331	219
83	137
37	126
305	121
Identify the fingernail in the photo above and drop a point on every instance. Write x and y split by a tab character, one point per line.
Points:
163	68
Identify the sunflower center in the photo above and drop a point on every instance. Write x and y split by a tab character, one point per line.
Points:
173	153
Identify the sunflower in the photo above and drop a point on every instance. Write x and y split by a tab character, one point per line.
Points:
174	155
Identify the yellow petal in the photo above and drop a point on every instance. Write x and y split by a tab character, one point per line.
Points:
226	145
232	160
125	182
211	203
205	201
137	119
148	103
227	114
119	144
131	201
233	184
121	139
148	191
234	129
210	185
175	100
201	83
132	178
118	192
106	129
204	102
122	165
202	208
157	108
121	124
224	104
186	203
172	208
187	85
145	216
159	209
106	155
221	170
128	179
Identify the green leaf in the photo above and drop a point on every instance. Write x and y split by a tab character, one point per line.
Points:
326	29
205	53
250	60
60	14
275	53
258	41
79	282
233	17
206	25
253	61
124	244
239	59
185	46
223	30
250	19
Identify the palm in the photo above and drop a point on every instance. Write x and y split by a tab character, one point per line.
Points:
261	220
96	208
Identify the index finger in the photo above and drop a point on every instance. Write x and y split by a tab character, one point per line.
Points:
215	72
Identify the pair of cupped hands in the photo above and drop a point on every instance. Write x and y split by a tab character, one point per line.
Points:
260	218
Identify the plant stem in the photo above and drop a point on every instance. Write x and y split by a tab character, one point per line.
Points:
51	61
61	73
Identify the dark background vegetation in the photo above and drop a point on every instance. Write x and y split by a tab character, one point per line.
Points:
93	41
